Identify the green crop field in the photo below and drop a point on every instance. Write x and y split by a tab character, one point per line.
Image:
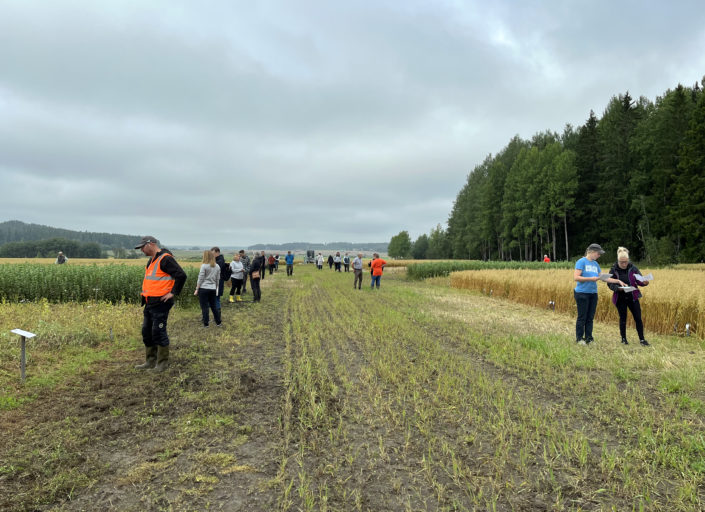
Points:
417	396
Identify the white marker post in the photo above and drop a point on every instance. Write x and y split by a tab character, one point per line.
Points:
24	336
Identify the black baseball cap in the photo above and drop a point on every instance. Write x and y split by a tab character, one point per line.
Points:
595	248
146	240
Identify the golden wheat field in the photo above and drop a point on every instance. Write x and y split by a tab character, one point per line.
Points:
674	298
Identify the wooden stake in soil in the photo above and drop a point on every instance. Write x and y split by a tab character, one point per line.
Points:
24	336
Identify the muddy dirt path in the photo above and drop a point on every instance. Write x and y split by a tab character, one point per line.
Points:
204	435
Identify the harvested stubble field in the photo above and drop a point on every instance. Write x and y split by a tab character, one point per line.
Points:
414	397
673	300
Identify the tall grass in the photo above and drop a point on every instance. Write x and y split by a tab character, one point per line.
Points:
64	283
444	268
671	301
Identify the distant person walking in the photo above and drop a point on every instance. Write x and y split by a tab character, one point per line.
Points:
207	287
586	274
61	259
220	261
246	262
377	266
330	261
357	269
337	260
346	262
626	271
256	272
546	259
238	273
276	263
319	261
163	280
289	258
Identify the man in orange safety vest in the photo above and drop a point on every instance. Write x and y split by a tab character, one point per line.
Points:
163	279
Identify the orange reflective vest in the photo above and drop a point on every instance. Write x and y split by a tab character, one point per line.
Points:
157	283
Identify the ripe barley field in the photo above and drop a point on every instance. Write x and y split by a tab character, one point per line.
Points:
672	301
417	396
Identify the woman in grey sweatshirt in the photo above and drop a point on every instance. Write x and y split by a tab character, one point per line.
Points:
207	287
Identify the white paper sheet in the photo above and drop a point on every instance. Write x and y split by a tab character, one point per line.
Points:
643	279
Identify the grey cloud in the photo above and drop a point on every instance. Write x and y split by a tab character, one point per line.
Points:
314	120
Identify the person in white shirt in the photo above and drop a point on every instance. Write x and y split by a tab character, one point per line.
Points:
236	279
319	261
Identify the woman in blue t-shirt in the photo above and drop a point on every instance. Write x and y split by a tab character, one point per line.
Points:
587	273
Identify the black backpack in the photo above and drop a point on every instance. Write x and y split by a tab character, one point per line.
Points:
226	272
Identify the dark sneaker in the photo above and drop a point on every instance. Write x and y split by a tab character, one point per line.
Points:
589	340
624	341
644	343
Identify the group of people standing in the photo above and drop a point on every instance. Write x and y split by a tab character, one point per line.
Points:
214	273
336	261
376	266
164	279
624	281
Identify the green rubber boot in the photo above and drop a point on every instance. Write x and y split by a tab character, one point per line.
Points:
150	359
162	359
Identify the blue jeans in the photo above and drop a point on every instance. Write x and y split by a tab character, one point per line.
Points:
375	279
587	303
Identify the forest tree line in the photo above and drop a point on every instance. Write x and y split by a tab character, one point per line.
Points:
634	177
18	231
50	248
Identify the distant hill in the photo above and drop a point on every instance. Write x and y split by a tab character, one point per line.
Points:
17	231
331	246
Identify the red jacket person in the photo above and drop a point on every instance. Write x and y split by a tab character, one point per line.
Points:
163	279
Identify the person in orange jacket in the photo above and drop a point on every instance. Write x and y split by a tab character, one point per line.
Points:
377	264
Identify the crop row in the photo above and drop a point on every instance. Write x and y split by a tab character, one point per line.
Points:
444	268
672	301
64	283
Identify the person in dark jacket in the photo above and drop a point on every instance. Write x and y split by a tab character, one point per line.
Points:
256	273
220	261
330	261
263	264
163	280
624	300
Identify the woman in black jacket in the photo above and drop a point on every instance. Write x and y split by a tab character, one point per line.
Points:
256	271
626	271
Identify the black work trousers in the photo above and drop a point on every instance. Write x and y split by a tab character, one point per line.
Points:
154	324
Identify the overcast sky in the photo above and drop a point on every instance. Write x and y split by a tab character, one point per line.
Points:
240	122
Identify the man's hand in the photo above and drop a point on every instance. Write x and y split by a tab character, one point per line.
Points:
167	297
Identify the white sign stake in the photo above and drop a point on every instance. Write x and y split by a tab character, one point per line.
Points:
24	336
